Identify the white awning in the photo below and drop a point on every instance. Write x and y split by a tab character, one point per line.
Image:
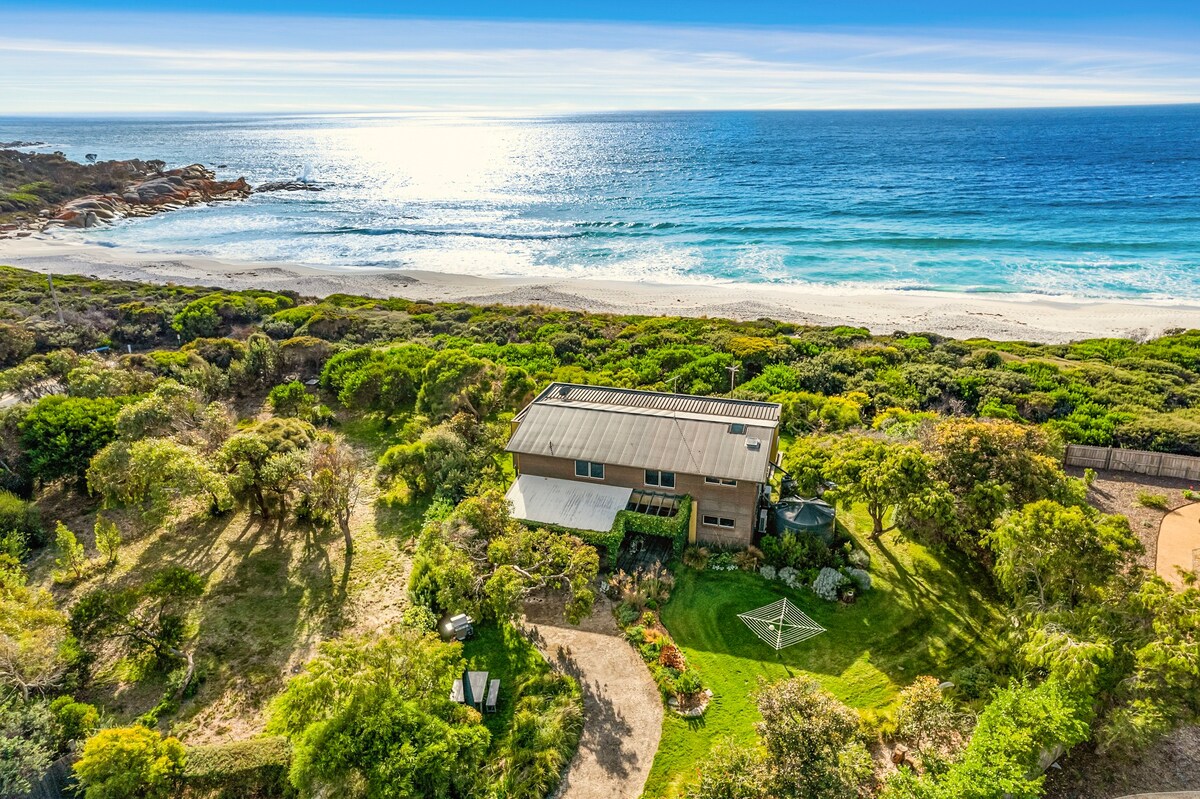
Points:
567	503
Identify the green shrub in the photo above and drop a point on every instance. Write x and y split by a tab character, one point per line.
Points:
973	682
61	434
254	769
291	399
74	721
664	678
543	737
688	683
627	614
1155	501
797	551
21	517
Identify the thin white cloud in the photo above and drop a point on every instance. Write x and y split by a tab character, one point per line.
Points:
117	64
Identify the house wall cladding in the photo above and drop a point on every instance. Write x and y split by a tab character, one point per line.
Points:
739	502
1137	461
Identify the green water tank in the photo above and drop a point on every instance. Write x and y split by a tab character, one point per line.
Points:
811	516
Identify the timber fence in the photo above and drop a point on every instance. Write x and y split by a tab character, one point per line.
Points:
1138	461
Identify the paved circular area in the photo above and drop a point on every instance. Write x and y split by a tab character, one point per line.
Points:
1179	543
622	710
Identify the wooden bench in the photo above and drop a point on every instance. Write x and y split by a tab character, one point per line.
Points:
493	694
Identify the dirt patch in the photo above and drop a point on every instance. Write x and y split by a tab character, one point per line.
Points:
1118	492
1171	764
622	710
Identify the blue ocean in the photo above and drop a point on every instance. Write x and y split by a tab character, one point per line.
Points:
1068	202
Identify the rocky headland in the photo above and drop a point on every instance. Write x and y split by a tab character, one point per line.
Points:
39	190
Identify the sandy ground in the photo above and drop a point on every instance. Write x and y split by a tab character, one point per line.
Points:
1118	492
622	710
1169	764
957	315
1179	543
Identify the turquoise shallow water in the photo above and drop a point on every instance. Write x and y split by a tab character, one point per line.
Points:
1080	202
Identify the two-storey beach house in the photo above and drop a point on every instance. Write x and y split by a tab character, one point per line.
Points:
583	453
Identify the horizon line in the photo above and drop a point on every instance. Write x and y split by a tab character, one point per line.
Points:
534	113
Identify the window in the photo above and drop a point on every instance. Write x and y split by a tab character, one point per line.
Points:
718	521
589	469
660	479
720	481
737	428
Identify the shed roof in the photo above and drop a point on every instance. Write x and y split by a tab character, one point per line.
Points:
567	503
708	436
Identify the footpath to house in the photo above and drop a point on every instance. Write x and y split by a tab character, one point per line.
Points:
622	709
1179	543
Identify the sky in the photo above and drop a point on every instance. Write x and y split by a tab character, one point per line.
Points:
156	57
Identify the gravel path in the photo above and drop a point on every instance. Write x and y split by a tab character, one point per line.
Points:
622	710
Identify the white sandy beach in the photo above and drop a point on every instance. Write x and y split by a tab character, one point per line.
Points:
959	315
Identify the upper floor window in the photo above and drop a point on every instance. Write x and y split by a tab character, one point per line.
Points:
660	479
720	481
589	469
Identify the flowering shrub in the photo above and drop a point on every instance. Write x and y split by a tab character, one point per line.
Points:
827	584
859	558
789	577
671	657
860	578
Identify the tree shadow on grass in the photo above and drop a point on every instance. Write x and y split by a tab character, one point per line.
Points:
399	520
271	608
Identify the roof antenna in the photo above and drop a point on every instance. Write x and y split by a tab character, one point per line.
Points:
733	369
673	381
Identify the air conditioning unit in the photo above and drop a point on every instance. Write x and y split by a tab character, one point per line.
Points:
753	443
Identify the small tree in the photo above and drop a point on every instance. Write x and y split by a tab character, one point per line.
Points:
71	555
108	540
35	646
812	743
151	617
334	482
482	557
1057	555
732	771
154	472
130	763
371	716
291	399
267	460
926	718
879	474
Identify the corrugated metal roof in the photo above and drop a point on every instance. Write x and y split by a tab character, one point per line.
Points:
569	503
657	440
633	399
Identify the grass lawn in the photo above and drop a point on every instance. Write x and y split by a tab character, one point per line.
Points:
505	655
925	614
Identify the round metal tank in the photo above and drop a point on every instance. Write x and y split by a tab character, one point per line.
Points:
812	516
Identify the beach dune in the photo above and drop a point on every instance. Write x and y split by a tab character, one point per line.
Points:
1009	317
